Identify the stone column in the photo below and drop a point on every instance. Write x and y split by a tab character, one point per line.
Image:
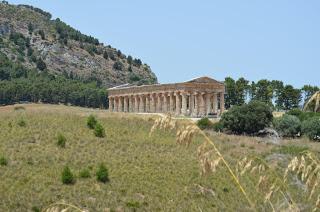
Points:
159	103
110	104
184	103
221	102
152	103
191	105
178	103
215	102
147	103
129	104
125	102
165	103
208	103
115	105
202	108
120	105
136	104
171	103
196	105
141	104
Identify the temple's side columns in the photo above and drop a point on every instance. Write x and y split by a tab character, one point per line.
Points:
178	103
202	108
152	103
136	104
159	104
171	103
125	102
115	105
208	103
184	104
130	104
120	105
215	102
165	103
147	103
221	102
141	104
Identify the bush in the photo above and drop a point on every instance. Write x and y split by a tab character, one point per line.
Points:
204	123
85	173
99	131
3	161
102	174
288	125
61	141
67	176
91	122
247	118
218	127
311	128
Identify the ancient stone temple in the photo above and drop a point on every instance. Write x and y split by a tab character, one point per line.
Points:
196	98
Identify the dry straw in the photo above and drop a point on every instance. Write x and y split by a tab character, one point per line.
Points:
209	155
62	207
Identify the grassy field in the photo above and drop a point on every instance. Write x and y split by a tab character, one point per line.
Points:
216	172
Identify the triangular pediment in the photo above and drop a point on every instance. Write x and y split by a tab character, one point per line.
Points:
203	80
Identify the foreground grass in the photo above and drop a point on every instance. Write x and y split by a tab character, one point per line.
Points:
146	173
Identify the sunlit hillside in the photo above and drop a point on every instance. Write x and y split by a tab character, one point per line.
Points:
150	163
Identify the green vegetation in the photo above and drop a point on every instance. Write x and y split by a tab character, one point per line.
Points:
22	122
3	161
67	176
311	128
92	121
99	131
288	125
102	174
248	118
20	84
275	93
61	140
204	123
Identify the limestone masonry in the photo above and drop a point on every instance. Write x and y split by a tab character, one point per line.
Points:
196	98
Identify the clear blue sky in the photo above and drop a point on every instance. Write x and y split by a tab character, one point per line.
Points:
182	39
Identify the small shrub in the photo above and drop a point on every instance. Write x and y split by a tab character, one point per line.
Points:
204	123
247	118
99	131
61	141
3	161
67	176
85	173
288	125
102	174
22	123
218	127
91	122
311	128
17	108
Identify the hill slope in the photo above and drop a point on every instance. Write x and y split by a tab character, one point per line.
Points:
147	173
29	36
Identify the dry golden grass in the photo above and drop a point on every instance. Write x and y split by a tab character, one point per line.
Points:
315	98
155	164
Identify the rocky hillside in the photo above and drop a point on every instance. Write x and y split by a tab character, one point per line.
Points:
30	36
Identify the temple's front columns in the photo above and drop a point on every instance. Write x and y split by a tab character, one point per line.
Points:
191	104
195	111
221	102
202	108
184	103
164	102
215	103
141	104
152	103
178	103
208	103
